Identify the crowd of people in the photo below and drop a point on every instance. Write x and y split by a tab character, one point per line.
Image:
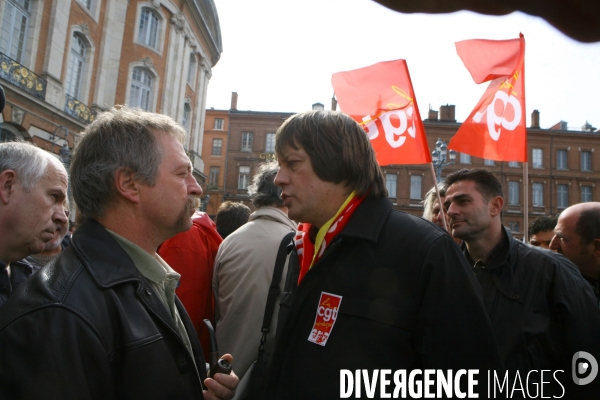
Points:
117	309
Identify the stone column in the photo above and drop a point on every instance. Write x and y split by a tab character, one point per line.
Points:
109	58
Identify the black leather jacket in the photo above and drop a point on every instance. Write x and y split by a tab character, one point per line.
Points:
409	301
542	310
20	271
89	326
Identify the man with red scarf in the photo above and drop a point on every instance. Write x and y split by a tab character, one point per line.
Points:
368	287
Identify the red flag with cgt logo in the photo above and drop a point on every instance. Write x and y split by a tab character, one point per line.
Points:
381	98
495	129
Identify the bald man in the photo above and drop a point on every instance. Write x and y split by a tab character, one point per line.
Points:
577	237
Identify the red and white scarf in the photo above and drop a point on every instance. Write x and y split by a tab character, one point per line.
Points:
308	252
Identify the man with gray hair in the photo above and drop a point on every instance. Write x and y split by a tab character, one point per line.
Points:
102	320
33	189
60	241
244	268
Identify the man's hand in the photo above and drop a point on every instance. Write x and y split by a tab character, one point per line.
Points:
221	386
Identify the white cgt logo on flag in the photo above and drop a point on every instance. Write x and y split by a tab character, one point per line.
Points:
394	135
493	119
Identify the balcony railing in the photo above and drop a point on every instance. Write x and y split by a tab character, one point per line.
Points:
77	109
514	208
20	76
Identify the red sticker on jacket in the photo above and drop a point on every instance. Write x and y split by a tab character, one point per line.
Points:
327	313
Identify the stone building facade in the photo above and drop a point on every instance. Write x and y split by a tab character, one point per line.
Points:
64	61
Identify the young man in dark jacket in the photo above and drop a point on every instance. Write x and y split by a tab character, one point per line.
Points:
102	320
368	288
542	310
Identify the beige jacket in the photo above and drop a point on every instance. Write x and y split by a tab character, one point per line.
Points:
242	275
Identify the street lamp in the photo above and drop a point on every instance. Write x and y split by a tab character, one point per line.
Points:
206	200
438	158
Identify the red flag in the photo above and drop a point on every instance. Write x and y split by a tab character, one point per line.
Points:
381	99
495	129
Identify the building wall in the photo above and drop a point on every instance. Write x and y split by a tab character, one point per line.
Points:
214	189
548	140
259	124
38	108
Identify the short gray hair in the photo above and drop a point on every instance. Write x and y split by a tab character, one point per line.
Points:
262	190
119	138
28	161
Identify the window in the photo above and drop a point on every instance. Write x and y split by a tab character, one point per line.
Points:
86	3
415	186
538	194
217	147
141	89
465	158
586	194
219	122
563	196
213	178
586	161
513	164
514	226
247	141
187	112
14	28
488	162
192	70
270	146
244	177
390	184
537	158
561	159
148	31
513	193
76	65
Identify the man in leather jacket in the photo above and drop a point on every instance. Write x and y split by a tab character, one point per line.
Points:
542	310
368	287
102	320
577	237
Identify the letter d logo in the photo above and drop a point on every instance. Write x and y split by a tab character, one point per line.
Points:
581	368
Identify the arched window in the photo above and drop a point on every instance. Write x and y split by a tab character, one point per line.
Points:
141	89
76	67
14	28
192	70
7	136
187	112
148	32
86	3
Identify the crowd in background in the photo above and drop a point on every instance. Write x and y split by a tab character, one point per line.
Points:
117	309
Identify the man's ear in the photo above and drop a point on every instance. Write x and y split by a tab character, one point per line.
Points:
596	251
8	179
496	204
126	184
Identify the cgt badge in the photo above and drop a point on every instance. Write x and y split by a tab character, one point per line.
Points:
327	313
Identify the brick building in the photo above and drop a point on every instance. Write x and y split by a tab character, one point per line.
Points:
214	154
561	170
63	61
249	138
561	164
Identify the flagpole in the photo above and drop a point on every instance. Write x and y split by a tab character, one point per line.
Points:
526	201
437	191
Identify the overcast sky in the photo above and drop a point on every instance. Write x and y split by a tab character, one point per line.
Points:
279	55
